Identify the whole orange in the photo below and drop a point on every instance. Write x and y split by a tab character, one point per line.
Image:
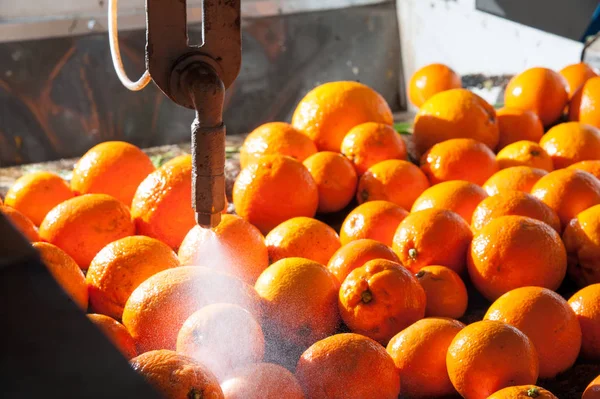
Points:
429	80
445	291
459	159
582	241
35	194
120	267
266	192
592	391
330	110
381	298
516	178
523	392
592	167
21	222
546	318
348	366
377	220
517	125
584	104
336	180
576	75
355	254
370	143
586	305
116	333
262	381
433	237
83	225
540	90
513	252
525	153
452	114
487	356
571	142
458	196
115	168
394	180
419	352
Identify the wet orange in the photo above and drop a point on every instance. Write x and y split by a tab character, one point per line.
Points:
586	305
458	196
65	271
576	75
116	333
377	220
35	194
300	300
348	366
571	142
517	125
513	252
592	391
452	114
524	153
515	203
120	267
302	237
393	180
582	241
585	103
592	167
262	381
446	293
487	356
516	178
330	110
266	192
381	298
370	143
419	352
83	225
546	318
115	168
234	246
523	392
433	237
21	222
355	254
429	80
336	180
540	90
459	159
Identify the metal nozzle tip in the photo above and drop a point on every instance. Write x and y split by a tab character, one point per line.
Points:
208	220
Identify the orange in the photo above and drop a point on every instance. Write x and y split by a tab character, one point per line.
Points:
176	376
348	366
584	104
453	114
524	153
234	246
487	356
433	237
355	254
222	336
266	193
330	110
35	194
592	391
568	192
377	220
515	203
446	293
120	267
459	159
393	180
370	143
275	138
157	308
571	142
429	80
523	392
381	298
299	300
162	205
592	167
540	90
458	196
115	168
582	241
516	178
262	381
83	225
302	237
576	75
419	352
586	305
336	180
516	251
21	222
546	318
116	333
65	271
517	125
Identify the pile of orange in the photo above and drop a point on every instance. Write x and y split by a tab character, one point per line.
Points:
501	209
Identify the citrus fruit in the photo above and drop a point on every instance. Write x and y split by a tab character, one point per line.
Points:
377	220
524	153
571	142
355	254
517	125
586	305
583	107
21	222
429	80
116	333
458	196
592	167
576	75
445	291
516	178
592	391
582	241
262	381
523	392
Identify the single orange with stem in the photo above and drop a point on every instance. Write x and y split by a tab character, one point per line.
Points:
445	291
524	153
523	392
